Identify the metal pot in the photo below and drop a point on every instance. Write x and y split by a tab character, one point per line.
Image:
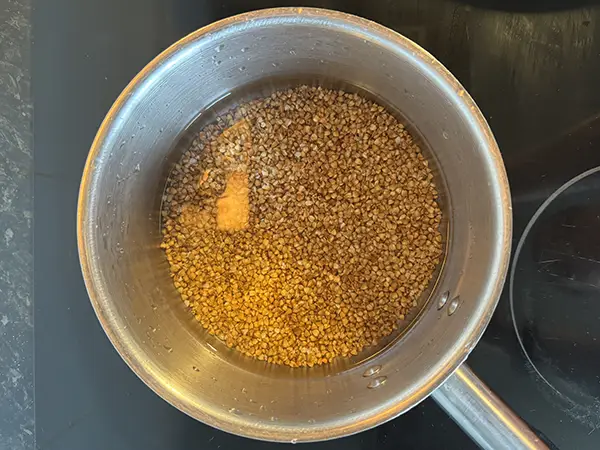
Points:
127	277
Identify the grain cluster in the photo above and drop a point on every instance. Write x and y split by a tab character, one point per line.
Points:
302	226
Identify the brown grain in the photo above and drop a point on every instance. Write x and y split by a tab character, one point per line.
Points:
302	226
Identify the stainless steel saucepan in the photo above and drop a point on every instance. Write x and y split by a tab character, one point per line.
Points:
127	275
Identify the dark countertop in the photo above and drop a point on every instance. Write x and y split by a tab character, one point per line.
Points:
533	67
16	243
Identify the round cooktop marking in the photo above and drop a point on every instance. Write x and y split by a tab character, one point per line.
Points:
516	257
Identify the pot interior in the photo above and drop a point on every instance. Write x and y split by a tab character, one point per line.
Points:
264	88
128	276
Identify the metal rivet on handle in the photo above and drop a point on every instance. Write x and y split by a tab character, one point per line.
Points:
453	305
443	299
376	382
371	371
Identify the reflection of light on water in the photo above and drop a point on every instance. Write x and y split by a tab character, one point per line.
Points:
232	205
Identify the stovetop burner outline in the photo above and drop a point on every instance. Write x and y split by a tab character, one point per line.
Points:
515	261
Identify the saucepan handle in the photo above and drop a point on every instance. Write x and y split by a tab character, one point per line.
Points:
483	415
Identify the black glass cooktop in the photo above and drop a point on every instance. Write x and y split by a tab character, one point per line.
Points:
532	68
553	292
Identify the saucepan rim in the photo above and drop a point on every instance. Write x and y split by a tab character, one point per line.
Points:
446	365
